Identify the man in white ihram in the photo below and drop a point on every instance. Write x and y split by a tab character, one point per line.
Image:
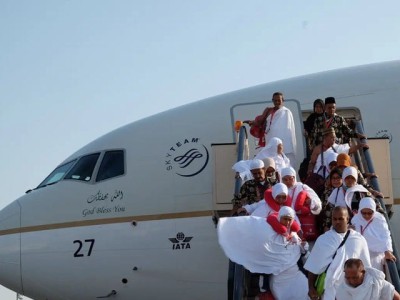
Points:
364	283
325	248
279	123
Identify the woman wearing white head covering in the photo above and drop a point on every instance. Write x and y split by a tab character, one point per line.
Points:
271	175
294	188
274	199
274	150
305	202
349	193
373	226
253	243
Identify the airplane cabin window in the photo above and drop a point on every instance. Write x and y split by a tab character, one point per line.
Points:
57	174
83	169
112	165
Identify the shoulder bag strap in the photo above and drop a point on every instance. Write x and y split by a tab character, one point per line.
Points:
341	244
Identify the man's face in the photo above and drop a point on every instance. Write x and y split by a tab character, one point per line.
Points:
354	276
329	139
258	174
278	101
340	218
330	109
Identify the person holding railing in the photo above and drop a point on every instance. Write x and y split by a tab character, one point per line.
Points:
343	161
318	166
374	228
252	191
269	246
276	121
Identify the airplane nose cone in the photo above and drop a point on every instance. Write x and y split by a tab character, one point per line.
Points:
10	249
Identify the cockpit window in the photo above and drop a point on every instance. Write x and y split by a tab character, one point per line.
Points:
112	165
83	169
57	174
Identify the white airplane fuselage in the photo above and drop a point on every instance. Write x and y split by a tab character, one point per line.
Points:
149	233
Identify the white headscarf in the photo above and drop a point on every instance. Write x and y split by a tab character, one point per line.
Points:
350	171
243	168
377	232
271	149
294	191
286	211
278	189
289	171
269	162
367	202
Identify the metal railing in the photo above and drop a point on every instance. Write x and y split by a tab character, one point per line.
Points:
236	272
364	160
393	267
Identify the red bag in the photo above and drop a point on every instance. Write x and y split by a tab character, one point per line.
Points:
317	183
308	226
258	128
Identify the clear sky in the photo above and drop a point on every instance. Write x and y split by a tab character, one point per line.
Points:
72	70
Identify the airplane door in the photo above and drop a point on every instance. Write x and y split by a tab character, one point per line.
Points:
248	111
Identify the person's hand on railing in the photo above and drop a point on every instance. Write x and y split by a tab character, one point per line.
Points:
241	212
362	146
389	256
376	194
361	136
370	175
250	122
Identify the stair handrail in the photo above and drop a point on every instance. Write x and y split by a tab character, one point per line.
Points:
236	271
393	267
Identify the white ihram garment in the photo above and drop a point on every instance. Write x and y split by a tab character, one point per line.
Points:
323	251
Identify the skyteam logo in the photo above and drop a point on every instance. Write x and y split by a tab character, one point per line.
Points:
180	242
384	133
187	158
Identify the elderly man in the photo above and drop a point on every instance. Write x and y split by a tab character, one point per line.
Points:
330	119
327	147
364	283
329	254
252	190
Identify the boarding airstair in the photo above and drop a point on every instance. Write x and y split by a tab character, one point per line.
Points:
237	285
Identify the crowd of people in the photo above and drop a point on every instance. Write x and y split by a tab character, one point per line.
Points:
332	206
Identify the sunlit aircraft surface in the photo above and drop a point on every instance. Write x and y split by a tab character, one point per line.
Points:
130	215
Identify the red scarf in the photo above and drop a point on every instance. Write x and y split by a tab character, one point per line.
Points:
273	204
